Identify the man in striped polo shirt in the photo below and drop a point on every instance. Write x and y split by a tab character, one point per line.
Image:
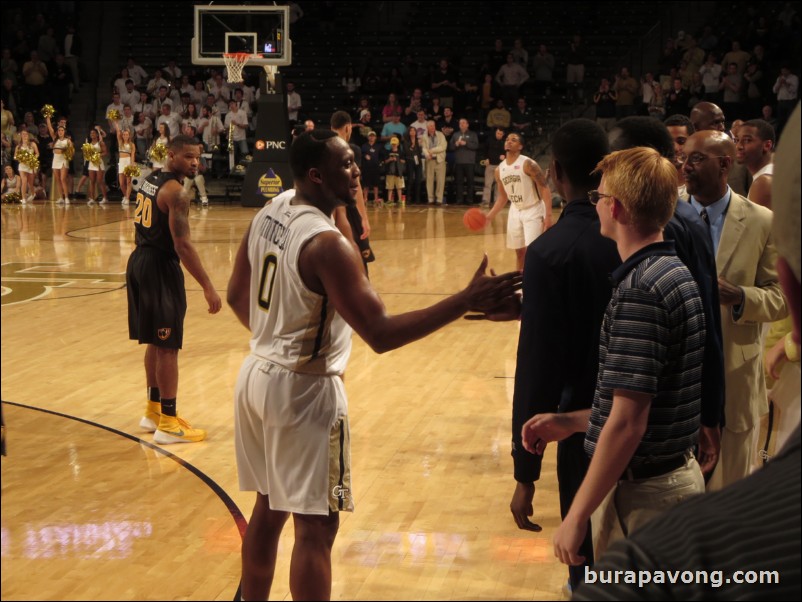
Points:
646	408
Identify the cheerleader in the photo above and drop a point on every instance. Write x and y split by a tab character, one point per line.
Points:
27	174
97	171
60	163
164	138
85	172
11	183
127	152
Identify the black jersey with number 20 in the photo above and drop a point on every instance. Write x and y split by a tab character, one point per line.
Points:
151	223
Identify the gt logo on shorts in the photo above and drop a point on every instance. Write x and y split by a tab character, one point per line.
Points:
339	492
164	333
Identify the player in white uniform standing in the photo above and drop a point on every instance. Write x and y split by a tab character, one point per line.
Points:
754	147
520	180
297	284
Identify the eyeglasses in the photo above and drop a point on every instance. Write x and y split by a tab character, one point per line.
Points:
697	158
594	196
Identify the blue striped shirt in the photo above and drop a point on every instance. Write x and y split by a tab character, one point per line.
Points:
652	341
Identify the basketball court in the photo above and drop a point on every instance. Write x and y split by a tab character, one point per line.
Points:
94	510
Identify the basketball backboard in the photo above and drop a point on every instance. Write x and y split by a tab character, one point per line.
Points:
262	31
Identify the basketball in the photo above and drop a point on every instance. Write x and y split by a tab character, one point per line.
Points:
474	219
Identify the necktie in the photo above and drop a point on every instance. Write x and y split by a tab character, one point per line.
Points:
705	217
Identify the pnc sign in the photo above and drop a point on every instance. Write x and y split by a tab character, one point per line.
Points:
271	145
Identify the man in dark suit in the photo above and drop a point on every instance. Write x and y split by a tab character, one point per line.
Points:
566	289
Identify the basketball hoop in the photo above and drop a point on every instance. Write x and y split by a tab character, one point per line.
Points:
235	62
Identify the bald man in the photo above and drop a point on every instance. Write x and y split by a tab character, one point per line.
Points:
708	116
749	293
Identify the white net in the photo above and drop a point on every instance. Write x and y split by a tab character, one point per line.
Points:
235	62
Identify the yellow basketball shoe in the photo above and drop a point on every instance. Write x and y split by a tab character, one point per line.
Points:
153	413
173	429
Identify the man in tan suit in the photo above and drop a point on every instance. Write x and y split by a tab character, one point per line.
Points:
749	293
434	146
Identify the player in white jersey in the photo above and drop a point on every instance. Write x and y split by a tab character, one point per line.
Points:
520	180
754	147
297	285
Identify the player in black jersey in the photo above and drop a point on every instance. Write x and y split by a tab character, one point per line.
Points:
157	300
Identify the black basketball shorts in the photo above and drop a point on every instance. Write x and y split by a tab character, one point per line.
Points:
157	299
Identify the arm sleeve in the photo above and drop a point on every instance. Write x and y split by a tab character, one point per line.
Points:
641	322
764	302
695	249
540	370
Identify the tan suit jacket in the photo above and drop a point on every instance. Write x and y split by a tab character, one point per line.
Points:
438	149
746	257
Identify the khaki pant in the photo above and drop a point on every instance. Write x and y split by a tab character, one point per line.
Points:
199	182
736	457
490	180
435	170
631	504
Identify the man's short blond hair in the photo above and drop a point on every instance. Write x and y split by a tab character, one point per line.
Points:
644	182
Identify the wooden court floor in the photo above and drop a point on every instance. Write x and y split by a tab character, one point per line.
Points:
93	510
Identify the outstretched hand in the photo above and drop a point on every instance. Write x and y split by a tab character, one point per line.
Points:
509	309
484	293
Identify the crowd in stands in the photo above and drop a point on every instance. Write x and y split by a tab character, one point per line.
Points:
40	65
751	76
747	84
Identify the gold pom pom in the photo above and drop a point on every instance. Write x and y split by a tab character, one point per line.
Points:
132	171
158	153
114	115
13	197
91	154
69	152
48	111
27	158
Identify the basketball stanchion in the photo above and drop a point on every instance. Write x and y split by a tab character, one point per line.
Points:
270	74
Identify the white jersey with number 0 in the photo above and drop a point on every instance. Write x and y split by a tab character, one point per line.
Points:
291	325
517	184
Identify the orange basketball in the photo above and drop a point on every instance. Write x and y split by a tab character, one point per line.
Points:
474	219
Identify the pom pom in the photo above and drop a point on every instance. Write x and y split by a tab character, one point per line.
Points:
13	197
69	152
27	158
48	111
91	154
158	153
114	115
132	171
